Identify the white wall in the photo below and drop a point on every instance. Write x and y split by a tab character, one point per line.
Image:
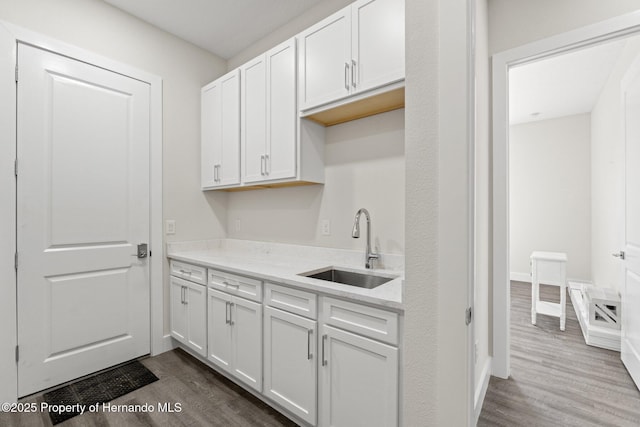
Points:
421	355
364	167
483	243
518	22
8	341
607	165
95	26
550	192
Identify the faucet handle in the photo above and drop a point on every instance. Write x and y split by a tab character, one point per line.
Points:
370	258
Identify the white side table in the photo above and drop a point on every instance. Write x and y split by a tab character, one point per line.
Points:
549	268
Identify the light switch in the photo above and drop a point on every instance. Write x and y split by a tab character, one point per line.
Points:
170	226
325	227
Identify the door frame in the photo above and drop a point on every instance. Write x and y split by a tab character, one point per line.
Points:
10	36
621	26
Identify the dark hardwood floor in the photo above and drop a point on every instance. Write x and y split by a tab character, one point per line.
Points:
206	398
556	379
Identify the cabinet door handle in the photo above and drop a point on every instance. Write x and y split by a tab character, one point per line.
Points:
266	165
186	295
309	334
181	294
353	73
215	173
231	313
262	165
226	312
346	76
324	360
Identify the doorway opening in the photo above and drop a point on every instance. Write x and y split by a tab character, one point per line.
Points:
505	65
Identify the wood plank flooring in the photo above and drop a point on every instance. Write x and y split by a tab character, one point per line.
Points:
207	399
556	379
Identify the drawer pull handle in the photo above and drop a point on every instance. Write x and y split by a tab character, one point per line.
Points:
324	360
309	354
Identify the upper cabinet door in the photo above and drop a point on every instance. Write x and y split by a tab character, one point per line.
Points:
280	161
210	138
220	139
325	60
378	43
254	119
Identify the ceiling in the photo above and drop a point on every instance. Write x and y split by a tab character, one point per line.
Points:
562	85
223	27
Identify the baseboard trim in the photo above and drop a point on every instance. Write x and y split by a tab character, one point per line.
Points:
481	389
168	343
520	277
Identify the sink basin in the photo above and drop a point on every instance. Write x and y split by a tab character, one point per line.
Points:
367	281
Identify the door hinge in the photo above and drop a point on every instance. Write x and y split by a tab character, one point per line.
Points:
468	314
16	72
15	261
17	354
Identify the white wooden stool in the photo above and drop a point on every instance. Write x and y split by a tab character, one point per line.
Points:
549	268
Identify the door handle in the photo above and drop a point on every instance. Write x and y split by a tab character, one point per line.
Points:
182	294
346	76
266	165
324	360
231	313
262	165
143	250
215	173
186	295
620	255
226	312
309	334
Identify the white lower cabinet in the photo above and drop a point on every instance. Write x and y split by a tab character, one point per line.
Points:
327	362
189	314
235	336
290	362
358	379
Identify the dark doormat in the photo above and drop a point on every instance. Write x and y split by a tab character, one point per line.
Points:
96	390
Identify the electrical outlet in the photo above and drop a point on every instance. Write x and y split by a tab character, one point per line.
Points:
325	227
170	226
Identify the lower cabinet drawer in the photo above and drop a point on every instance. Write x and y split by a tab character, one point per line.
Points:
195	273
291	300
236	285
367	321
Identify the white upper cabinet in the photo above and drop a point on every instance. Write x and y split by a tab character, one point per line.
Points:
325	60
357	49
253	119
268	119
220	138
377	28
281	112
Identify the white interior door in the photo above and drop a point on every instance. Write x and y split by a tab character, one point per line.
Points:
83	207
630	286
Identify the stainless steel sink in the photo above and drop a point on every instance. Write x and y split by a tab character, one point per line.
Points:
367	281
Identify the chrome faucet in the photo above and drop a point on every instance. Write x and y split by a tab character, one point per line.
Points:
369	256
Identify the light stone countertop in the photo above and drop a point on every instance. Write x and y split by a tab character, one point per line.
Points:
282	264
